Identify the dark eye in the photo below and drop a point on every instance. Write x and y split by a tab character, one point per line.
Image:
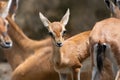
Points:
51	34
6	23
64	32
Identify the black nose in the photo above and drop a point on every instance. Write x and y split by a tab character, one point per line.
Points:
59	44
8	44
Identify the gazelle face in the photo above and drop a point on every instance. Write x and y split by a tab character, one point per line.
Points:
5	40
56	29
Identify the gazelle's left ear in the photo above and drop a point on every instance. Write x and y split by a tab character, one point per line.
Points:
65	18
5	10
45	21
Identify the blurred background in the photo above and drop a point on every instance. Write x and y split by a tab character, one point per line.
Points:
83	15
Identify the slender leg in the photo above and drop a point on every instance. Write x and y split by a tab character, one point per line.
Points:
117	76
110	55
79	75
94	72
94	67
115	70
62	76
76	74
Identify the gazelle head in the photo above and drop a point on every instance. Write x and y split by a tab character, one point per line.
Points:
115	9
5	40
56	29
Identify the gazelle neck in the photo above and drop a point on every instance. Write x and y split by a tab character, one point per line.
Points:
56	56
23	47
15	33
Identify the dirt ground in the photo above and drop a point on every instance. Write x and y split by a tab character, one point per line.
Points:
5	71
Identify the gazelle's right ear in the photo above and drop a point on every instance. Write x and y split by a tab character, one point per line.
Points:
45	21
110	5
65	18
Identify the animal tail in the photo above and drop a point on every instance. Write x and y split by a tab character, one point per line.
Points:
101	48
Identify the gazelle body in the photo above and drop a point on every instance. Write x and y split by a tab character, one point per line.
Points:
68	57
72	54
30	59
104	43
27	55
5	40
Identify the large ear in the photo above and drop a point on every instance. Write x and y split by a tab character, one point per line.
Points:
14	7
5	10
110	5
118	3
65	18
45	21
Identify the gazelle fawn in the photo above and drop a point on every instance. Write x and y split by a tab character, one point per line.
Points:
70	53
104	42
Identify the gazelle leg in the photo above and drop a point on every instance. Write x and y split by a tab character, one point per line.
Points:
94	72
62	76
115	70
117	76
76	74
94	67
109	54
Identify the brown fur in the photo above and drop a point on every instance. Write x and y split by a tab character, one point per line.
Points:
73	52
31	60
107	31
56	28
29	56
68	55
109	34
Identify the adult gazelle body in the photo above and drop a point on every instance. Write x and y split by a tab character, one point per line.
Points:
104	42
